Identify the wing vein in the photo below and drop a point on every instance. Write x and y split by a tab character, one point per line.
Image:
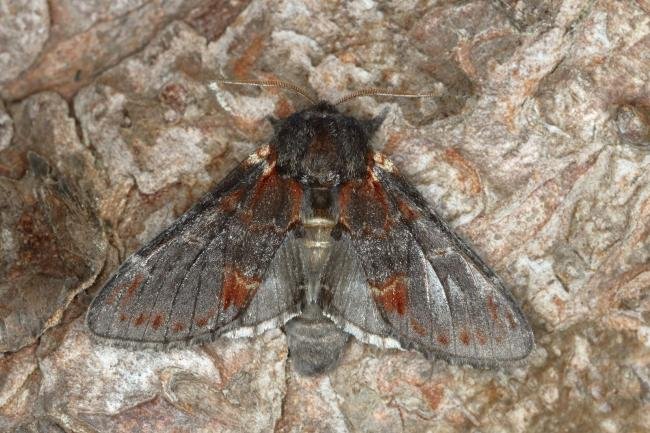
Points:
141	290
180	284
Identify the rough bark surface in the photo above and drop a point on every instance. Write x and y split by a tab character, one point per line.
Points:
536	149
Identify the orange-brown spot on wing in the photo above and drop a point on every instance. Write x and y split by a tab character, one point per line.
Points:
493	309
345	198
275	202
268	182
266	187
237	288
407	211
392	294
364	205
123	317
295	199
157	321
113	295
229	201
133	285
373	186
464	337
443	339
139	321
511	320
480	337
178	327
204	319
417	327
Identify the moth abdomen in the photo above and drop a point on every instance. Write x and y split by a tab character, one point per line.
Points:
315	342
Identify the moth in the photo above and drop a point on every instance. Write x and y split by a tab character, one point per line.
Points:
317	233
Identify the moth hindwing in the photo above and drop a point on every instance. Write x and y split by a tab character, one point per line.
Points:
317	232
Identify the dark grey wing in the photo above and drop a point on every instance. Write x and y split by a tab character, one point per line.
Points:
208	273
278	297
347	300
435	294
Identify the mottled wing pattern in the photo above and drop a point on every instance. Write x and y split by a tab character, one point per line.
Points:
197	279
435	293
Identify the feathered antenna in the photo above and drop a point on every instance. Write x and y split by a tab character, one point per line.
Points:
383	92
271	83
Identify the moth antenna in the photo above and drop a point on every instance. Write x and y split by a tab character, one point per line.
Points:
370	91
271	83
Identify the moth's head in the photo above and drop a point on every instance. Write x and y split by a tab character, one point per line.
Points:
322	146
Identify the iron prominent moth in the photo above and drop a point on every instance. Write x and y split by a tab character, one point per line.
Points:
320	234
